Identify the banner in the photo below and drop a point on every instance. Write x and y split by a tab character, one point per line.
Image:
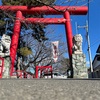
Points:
55	50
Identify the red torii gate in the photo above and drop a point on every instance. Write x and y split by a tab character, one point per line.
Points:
43	68
55	10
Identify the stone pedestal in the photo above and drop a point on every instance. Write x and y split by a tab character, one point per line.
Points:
7	63
79	65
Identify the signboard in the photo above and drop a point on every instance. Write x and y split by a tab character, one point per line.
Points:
55	50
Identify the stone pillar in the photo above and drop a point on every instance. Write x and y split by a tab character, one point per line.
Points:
79	66
78	58
5	53
7	64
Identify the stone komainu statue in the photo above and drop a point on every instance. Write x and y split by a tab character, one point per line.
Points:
6	41
77	43
5	53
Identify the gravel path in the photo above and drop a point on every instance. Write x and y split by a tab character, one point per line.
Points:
39	89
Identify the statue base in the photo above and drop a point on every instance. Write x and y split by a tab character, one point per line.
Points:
79	66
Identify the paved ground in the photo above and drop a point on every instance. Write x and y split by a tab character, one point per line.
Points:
14	89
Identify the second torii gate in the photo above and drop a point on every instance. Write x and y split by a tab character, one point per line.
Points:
55	10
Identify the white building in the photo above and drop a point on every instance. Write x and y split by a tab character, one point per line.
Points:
96	64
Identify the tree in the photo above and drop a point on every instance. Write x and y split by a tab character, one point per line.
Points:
65	62
41	51
39	31
28	2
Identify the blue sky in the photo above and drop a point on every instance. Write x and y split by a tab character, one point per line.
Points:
94	25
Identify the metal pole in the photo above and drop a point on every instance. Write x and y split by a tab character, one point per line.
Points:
88	39
76	28
89	50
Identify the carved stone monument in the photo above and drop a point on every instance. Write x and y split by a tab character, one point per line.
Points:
5	53
78	58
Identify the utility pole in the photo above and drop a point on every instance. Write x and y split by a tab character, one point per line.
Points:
88	39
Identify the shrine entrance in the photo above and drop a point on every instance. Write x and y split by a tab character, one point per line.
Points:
55	10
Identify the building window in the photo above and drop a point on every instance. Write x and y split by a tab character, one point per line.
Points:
98	58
